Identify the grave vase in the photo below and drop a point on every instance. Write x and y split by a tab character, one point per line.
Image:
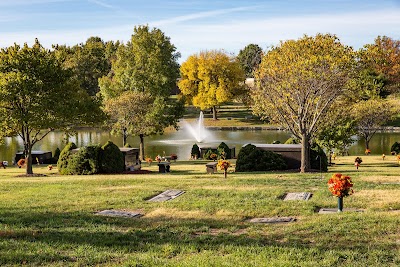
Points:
340	204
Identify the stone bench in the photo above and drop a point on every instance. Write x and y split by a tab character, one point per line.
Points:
164	166
211	167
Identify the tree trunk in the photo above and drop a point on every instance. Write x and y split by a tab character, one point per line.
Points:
124	136
28	159
141	147
305	153
214	111
367	143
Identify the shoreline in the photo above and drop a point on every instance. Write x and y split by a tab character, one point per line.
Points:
384	129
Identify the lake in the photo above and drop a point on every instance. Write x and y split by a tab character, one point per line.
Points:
180	143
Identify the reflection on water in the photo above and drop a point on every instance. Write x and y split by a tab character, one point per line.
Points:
177	142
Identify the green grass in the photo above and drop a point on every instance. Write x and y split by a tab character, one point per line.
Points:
51	221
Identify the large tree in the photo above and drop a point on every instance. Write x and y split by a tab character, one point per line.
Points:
37	95
249	58
146	65
211	78
383	58
297	83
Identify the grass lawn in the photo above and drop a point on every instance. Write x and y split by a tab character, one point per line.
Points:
51	221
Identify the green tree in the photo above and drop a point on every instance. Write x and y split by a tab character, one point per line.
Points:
211	78
142	76
297	83
37	95
249	58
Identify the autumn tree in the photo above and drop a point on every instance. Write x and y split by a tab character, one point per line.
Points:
370	115
297	83
249	58
37	95
211	78
147	66
383	59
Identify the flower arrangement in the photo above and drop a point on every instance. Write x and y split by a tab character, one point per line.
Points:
357	162
224	165
383	156
149	161
340	185
213	156
21	163
398	159
158	158
174	157
367	151
50	167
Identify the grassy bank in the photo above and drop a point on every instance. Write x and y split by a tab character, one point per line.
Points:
51	220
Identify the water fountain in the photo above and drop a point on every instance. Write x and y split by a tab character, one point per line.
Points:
196	130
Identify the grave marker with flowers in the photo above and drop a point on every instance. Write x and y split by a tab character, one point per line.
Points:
340	186
224	165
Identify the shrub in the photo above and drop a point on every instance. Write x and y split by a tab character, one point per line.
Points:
317	153
224	151
395	148
195	151
56	155
292	141
85	161
64	158
252	159
111	159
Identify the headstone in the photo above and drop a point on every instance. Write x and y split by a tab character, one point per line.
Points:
273	220
167	195
298	196
335	210
394	183
118	213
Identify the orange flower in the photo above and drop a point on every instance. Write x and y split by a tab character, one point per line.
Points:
340	185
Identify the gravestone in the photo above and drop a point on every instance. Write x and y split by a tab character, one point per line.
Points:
273	220
118	213
335	210
298	196
167	195
393	183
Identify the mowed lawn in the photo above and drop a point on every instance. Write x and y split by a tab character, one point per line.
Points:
51	221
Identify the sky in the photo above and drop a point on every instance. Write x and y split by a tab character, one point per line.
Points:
195	26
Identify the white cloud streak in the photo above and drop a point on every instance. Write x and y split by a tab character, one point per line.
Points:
102	4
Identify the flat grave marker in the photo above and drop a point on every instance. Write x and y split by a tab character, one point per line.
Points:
298	196
167	195
273	220
335	210
118	213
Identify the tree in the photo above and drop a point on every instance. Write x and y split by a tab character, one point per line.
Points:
147	68
249	58
89	61
140	114
210	78
299	81
37	95
383	58
372	114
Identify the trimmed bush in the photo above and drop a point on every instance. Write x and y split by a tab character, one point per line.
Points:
252	159
395	148
111	159
85	161
64	158
195	151
292	141
224	148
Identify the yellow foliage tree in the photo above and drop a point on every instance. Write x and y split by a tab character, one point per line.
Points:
211	78
298	81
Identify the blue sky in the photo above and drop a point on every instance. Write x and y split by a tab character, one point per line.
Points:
198	25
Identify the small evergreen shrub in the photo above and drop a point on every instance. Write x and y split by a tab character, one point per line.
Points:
292	141
64	158
85	161
252	159
195	151
395	148
56	155
111	159
223	149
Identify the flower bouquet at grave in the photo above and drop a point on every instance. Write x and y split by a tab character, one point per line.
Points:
357	162
149	161
224	165
398	159
174	157
340	186
367	151
21	163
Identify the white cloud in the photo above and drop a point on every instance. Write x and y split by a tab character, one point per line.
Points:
102	4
